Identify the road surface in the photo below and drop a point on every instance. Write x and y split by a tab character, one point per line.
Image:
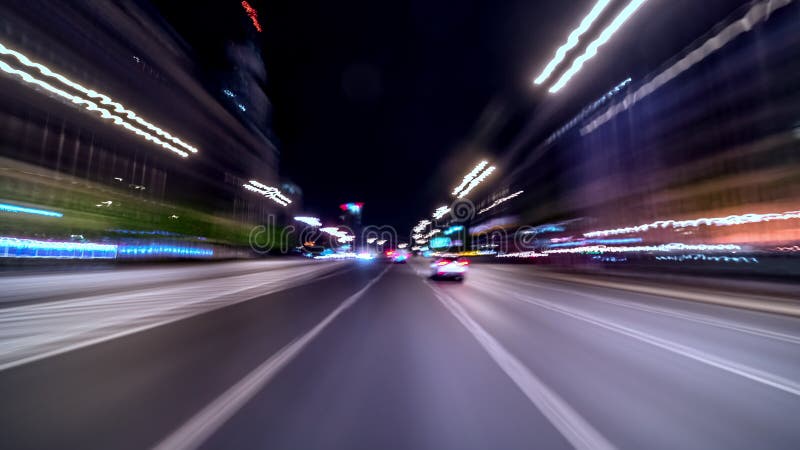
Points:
359	355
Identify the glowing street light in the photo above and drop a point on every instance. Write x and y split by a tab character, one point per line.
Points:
476	181
311	221
470	176
92	105
269	192
591	50
572	40
441	211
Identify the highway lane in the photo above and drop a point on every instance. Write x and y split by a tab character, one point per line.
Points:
358	355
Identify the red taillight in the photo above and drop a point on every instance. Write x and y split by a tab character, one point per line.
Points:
442	263
463	263
390	253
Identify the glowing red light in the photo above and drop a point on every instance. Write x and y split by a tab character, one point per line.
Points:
253	14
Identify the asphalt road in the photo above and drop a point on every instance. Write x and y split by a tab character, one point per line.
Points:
358	355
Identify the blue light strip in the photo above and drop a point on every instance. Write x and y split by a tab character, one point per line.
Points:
21	209
29	248
157	250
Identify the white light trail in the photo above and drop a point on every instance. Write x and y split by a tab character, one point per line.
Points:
499	201
758	13
402	245
269	192
470	176
341	236
382	241
433	232
572	40
104	99
674	247
712	221
371	240
421	225
530	254
311	221
591	50
441	211
476	181
91	106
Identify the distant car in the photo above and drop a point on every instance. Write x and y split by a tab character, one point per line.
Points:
447	267
397	256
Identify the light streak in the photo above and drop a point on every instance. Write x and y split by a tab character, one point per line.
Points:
345	255
701	257
595	241
5	207
422	225
381	241
432	233
268	192
712	221
530	254
402	245
476	181
674	247
104	99
470	176
311	221
453	229
499	201
758	13
591	50
441	211
91	106
371	240
572	40
253	14
28	248
340	236
163	250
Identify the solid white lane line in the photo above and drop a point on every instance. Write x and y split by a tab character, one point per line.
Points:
19	354
732	300
743	370
564	418
692	317
205	423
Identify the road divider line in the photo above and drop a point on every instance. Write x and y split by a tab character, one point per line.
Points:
769	305
205	423
743	370
564	418
689	316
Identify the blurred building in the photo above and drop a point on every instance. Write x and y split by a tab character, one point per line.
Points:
125	158
711	133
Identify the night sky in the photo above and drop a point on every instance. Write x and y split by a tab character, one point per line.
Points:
381	102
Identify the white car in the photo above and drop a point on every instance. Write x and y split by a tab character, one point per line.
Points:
447	267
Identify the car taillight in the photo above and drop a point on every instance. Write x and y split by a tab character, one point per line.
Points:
442	263
463	263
